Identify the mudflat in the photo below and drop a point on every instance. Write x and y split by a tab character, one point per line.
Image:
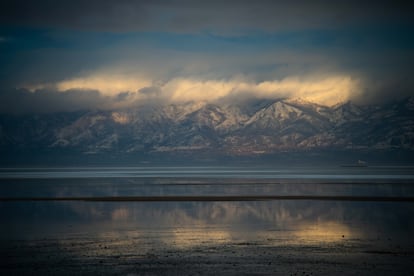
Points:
129	254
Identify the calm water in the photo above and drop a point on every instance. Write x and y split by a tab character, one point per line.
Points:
277	219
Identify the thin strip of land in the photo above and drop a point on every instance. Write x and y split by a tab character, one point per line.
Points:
173	198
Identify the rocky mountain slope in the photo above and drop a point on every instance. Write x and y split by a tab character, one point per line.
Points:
252	128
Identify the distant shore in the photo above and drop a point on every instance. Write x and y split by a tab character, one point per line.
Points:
179	198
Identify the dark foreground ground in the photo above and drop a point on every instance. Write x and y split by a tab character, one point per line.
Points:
138	256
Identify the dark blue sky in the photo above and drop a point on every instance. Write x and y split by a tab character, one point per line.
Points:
323	51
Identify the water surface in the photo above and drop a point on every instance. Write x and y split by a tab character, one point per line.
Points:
135	230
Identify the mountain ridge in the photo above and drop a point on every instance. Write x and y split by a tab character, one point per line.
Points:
230	129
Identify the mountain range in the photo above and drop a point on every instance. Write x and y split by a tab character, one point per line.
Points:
246	128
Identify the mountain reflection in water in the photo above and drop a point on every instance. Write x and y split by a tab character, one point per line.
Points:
224	219
136	228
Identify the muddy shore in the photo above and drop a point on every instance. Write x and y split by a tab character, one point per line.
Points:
143	256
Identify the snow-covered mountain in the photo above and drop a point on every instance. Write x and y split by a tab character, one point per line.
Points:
251	128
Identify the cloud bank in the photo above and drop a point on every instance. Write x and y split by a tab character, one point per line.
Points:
106	92
71	55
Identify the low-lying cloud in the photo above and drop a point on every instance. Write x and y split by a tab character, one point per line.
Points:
325	90
71	55
105	92
17	101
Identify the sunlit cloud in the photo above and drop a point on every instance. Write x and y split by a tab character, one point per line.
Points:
326	91
321	52
127	90
106	84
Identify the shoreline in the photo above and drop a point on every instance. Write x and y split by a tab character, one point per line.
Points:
180	198
138	256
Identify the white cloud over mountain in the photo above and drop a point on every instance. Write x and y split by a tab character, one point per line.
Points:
128	91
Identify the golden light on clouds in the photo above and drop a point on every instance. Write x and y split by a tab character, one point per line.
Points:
324	90
106	84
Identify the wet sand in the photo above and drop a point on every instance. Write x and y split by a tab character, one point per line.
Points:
262	237
140	256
